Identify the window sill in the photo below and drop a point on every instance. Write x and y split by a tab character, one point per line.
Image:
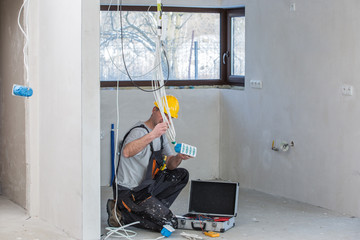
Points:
181	87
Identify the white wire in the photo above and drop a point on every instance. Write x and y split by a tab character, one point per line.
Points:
121	228
118	234
26	35
111	230
110	55
155	238
158	80
160	98
122	51
117	67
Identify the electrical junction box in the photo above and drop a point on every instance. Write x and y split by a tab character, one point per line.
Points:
212	206
256	83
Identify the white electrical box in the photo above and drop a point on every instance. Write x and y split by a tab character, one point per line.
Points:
347	90
292	7
256	83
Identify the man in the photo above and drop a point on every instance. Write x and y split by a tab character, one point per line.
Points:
148	177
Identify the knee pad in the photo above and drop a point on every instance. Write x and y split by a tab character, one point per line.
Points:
157	212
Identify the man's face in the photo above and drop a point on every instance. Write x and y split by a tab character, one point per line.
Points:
158	117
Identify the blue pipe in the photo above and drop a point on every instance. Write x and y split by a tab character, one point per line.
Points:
112	155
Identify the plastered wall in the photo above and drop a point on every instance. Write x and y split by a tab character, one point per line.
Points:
12	109
198	125
303	58
60	185
64	116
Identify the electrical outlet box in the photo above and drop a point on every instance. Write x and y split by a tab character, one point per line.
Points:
347	90
292	7
256	83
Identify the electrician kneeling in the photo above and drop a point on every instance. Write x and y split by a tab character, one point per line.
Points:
148	177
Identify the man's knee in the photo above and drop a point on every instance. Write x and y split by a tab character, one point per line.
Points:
183	175
186	174
175	177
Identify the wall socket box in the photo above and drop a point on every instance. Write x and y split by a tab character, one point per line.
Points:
256	83
347	90
292	7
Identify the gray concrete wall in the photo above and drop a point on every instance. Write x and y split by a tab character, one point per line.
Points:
64	117
90	117
198	125
303	58
12	109
59	114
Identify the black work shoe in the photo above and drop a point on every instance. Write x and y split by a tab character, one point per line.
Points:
110	208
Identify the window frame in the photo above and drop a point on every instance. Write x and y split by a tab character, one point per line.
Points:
237	80
224	28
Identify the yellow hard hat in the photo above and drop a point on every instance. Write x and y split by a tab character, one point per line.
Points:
173	104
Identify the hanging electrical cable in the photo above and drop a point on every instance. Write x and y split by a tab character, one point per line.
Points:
158	78
158	65
160	94
121	231
122	228
157	82
131	77
158	90
20	90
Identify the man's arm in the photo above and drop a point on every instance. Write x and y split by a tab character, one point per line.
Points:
174	161
136	146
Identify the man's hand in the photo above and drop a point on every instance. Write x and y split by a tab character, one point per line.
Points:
183	156
159	129
174	161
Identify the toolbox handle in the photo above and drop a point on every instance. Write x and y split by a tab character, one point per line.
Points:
198	228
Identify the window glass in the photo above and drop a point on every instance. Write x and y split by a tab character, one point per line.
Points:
191	42
238	46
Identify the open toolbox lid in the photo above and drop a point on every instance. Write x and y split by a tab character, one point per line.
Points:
215	198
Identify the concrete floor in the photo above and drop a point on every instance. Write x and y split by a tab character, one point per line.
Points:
15	224
265	217
260	217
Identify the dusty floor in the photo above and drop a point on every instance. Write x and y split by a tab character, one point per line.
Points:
266	217
15	224
260	217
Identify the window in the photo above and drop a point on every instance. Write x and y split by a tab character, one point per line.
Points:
194	42
236	46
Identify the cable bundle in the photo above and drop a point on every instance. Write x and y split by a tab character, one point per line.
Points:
158	90
19	90
158	79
